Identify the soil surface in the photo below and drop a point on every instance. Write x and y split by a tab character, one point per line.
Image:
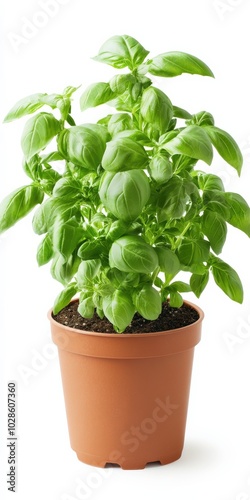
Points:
169	319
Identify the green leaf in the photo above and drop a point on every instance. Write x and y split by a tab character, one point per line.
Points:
82	146
87	271
161	168
180	286
120	122
63	270
148	302
44	251
226	147
119	309
18	204
96	94
86	308
66	236
117	229
202	119
38	132
227	279
181	113
172	199
198	283
239	212
122	51
68	187
210	182
24	107
192	141
156	109
121	83
175	300
193	251
135	135
171	64
92	249
133	254
125	194
215	229
124	154
33	168
52	208
49	178
168	261
55	156
64	297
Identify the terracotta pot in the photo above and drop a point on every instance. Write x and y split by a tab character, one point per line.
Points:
126	395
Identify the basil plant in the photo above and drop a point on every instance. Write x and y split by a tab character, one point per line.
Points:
131	208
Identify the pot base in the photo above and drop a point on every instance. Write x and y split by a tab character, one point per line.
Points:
125	464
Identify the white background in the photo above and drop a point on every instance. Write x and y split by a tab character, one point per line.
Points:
215	462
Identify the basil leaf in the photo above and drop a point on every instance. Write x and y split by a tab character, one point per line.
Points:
156	109
52	208
160	168
91	249
135	135
227	279
226	147
198	283
63	270
175	300
55	156
168	261
120	122
148	302
181	113
38	132
193	141
120	83
124	154
18	204
125	194
82	146
133	254
119	309
239	212
24	107
171	64
33	168
44	251
180	286
48	180
87	271
193	251
172	199
64	297
202	119
117	229
122	51
66	236
67	187
86	308
210	182
96	94
215	229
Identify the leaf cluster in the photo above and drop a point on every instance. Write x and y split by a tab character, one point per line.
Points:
131	208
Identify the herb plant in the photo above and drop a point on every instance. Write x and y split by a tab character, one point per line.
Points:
131	209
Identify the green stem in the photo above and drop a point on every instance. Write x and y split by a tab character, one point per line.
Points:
179	239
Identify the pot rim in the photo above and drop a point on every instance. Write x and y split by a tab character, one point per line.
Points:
130	335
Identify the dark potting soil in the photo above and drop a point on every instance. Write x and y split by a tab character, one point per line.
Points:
170	318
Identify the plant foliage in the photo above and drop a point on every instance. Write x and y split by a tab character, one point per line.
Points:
130	209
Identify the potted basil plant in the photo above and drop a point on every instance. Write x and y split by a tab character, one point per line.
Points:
131	209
